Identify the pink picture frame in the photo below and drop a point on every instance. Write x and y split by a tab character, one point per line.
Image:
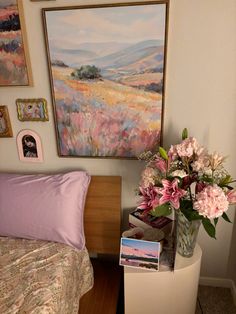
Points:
29	146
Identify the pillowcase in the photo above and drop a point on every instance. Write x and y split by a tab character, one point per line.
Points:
45	207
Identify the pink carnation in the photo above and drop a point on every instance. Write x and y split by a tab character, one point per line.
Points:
211	202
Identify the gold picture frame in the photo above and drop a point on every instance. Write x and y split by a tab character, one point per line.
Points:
32	109
115	104
5	123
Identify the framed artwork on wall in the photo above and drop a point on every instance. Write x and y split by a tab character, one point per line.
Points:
107	72
5	123
15	69
29	146
32	109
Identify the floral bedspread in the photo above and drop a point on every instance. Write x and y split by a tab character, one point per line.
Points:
39	277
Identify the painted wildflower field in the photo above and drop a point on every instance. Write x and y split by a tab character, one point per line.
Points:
13	70
102	118
107	86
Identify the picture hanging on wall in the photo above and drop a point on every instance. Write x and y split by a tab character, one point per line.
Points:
5	123
32	109
29	146
107	68
15	67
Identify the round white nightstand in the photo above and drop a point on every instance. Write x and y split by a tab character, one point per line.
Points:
164	292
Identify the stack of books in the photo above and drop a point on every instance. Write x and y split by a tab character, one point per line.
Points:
138	218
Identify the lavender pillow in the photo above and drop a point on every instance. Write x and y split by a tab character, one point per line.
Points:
46	207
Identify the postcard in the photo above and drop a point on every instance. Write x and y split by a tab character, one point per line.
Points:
139	253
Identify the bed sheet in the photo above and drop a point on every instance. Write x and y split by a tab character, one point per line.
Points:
38	277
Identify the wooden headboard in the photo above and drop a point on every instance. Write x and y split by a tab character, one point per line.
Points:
102	217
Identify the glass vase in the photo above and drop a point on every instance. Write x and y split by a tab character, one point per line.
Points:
187	232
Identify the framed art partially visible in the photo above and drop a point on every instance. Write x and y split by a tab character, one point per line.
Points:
15	69
29	146
107	73
32	109
5	123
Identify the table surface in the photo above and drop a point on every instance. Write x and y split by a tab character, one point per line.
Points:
181	262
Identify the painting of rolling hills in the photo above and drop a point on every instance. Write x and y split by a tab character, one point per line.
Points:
107	72
13	63
139	253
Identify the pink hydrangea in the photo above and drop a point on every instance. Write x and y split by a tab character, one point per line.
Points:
171	192
211	202
201	163
149	198
187	148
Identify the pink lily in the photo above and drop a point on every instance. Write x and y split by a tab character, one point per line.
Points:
171	192
160	164
231	196
149	198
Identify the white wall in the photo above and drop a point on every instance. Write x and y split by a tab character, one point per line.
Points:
200	95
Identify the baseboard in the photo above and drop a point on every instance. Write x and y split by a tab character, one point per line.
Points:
219	282
233	291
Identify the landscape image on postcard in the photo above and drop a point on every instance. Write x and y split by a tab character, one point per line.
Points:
139	253
13	68
107	67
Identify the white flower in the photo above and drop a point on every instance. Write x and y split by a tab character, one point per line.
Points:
179	173
148	177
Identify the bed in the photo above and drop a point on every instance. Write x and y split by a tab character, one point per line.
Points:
38	276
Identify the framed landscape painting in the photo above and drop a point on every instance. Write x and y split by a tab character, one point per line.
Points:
14	60
107	73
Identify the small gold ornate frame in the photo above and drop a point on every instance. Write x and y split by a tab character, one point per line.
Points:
5	123
32	109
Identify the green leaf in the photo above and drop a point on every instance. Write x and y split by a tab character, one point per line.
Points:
227	179
216	221
209	227
163	153
207	179
186	204
184	134
161	210
191	214
226	218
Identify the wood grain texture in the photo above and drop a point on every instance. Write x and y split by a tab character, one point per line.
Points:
102	217
103	297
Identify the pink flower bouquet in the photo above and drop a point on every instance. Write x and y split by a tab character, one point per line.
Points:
188	179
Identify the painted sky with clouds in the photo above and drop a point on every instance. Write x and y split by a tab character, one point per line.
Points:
131	24
140	248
